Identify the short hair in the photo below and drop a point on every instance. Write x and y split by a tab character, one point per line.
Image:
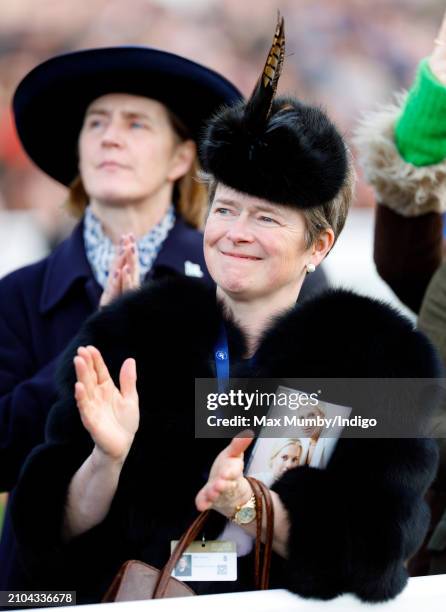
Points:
332	214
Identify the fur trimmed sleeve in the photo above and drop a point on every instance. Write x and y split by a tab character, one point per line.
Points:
88	561
407	189
354	524
134	326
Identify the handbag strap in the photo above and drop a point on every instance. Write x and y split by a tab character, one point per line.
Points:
262	496
261	572
268	536
186	539
259	521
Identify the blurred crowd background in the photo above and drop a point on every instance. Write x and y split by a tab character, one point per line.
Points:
348	55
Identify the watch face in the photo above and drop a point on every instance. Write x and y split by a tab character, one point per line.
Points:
246	515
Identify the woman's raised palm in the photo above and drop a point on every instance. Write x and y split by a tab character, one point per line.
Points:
110	415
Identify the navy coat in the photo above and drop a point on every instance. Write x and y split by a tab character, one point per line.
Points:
42	307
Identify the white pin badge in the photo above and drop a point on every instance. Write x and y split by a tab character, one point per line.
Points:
192	269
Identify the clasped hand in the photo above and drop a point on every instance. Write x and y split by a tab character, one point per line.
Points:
124	272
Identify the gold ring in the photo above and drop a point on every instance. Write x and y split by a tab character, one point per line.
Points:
439	42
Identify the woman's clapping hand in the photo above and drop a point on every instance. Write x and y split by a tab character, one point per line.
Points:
226	487
110	415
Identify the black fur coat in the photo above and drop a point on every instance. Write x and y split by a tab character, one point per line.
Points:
353	524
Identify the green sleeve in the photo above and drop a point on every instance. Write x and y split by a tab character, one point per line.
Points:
420	131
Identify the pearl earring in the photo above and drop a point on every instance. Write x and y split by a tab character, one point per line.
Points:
310	267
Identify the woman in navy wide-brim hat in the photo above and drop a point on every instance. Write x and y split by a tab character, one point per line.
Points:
118	127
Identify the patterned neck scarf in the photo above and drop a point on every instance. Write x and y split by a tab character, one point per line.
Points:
101	251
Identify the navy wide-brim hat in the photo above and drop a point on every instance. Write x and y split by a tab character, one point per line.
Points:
50	102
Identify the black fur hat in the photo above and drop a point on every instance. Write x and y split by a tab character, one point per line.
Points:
281	150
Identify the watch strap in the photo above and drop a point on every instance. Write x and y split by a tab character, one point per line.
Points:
251	503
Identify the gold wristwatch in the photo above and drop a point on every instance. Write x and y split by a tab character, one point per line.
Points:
245	513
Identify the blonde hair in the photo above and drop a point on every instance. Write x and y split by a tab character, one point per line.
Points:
190	195
280	444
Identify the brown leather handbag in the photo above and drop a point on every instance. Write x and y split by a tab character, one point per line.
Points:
136	580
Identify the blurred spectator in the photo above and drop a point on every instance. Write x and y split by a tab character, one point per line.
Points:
21	240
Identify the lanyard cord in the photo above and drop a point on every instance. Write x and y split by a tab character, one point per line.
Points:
221	356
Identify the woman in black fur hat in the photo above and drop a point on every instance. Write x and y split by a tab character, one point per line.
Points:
121	471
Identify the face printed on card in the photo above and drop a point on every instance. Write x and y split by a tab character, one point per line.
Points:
207	561
304	442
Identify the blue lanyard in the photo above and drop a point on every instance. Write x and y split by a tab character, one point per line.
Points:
221	356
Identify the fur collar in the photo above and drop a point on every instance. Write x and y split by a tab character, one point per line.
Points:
336	334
